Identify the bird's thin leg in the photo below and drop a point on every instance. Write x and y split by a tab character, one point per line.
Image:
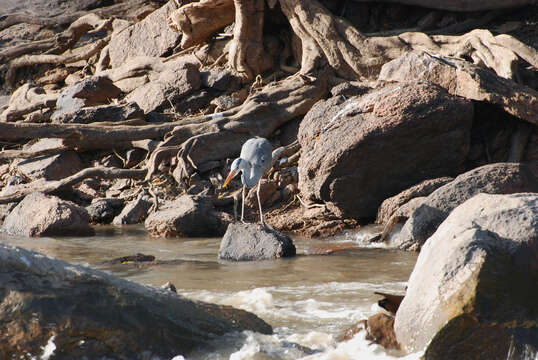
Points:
243	204
260	204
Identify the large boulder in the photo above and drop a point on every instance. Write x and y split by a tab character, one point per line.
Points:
172	85
360	151
188	215
90	314
45	215
149	37
247	242
473	293
498	178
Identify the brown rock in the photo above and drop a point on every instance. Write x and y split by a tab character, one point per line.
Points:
473	289
91	314
355	153
45	215
392	204
149	37
498	178
380	329
191	216
267	189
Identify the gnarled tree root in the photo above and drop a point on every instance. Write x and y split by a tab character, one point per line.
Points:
20	191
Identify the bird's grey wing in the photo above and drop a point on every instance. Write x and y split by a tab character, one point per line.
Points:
258	152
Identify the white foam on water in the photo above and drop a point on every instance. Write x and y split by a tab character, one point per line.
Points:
48	350
314	340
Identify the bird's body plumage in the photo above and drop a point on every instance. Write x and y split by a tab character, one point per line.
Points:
253	162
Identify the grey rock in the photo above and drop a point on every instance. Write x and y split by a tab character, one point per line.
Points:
248	242
222	80
425	188
103	211
51	167
15	180
172	85
193	216
355	153
149	37
110	113
473	289
498	178
95	315
135	211
91	91
5	209
45	215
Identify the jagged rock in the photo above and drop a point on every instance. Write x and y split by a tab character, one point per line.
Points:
247	242
96	90
135	211
150	37
51	167
473	289
170	87
392	204
110	113
188	216
45	215
92	314
355	153
103	211
498	178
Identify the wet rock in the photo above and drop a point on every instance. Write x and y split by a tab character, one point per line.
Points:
480	273
93	314
45	215
498	178
96	90
193	216
356	152
380	329
51	167
170	87
139	258
392	204
248	242
149	37
103	211
110	113
135	211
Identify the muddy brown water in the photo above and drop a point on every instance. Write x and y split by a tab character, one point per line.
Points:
310	300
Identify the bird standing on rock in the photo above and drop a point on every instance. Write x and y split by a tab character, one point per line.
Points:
253	162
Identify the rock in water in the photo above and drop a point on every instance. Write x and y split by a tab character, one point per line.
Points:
94	315
247	242
45	215
473	293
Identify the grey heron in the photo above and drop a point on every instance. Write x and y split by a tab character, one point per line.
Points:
255	159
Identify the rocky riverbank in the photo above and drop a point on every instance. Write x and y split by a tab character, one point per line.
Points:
132	112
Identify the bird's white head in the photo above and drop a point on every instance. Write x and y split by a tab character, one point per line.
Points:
234	170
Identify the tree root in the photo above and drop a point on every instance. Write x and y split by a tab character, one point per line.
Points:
221	137
198	21
17	193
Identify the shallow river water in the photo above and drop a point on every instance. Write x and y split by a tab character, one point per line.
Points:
309	300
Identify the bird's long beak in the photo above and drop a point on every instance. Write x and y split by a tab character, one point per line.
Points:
228	179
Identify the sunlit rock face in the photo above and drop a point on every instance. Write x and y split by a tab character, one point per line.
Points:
355	153
473	289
